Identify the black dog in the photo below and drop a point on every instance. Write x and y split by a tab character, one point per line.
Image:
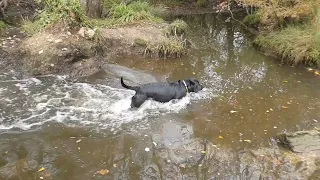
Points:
162	92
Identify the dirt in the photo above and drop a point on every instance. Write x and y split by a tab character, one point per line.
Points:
70	53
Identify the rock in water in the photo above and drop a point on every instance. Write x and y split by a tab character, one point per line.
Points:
301	141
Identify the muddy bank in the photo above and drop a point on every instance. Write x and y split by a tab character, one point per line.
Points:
80	52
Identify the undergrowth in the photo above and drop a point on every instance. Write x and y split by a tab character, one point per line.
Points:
2	25
289	28
133	12
68	12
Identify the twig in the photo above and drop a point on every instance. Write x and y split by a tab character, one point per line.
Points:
237	19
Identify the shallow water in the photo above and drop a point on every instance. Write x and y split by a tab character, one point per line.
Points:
74	129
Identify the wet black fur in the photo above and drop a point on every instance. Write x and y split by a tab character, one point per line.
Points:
162	91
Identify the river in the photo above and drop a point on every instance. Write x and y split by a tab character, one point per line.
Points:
54	128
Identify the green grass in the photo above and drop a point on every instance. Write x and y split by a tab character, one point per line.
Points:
135	12
252	19
177	28
68	12
2	25
170	47
296	44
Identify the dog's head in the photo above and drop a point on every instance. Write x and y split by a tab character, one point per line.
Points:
193	85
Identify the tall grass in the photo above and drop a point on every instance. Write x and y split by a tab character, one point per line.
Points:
69	12
291	29
134	12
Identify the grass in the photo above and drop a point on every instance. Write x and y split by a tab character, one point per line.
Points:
2	25
177	28
296	44
289	28
169	47
134	12
68	12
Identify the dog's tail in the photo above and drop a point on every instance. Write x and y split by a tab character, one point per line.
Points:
128	87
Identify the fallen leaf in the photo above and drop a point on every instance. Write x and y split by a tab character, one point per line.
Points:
41	169
78	141
275	127
284	107
220	137
232	111
47	174
271	109
103	171
289	103
247	140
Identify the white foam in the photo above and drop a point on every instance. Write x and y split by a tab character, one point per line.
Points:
81	104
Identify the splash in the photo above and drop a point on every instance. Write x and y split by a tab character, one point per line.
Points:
31	103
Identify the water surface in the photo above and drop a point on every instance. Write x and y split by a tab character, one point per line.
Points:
75	129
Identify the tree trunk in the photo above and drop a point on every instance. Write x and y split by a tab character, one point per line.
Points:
93	8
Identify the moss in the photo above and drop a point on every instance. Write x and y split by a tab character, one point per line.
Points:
140	42
202	3
2	25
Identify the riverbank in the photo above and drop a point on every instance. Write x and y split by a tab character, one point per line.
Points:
287	30
55	42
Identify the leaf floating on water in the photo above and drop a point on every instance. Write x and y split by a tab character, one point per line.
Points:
103	171
41	169
247	140
284	107
220	137
232	111
203	152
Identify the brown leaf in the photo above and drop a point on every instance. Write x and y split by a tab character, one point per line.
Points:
103	171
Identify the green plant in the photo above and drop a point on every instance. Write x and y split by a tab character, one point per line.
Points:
177	28
170	47
295	44
69	12
2	25
136	11
252	19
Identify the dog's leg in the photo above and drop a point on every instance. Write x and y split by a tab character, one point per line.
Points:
138	100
